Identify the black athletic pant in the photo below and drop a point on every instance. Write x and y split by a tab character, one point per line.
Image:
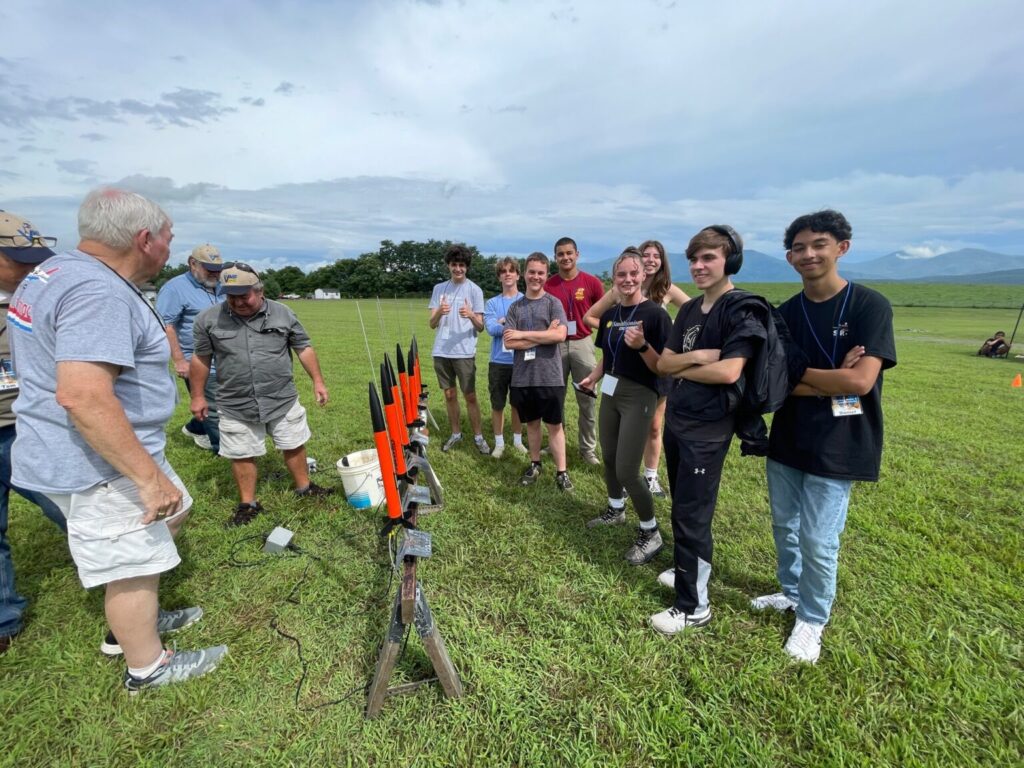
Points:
694	474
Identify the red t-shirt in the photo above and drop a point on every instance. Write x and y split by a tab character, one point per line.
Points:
577	296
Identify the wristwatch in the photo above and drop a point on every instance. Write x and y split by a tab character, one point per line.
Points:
644	348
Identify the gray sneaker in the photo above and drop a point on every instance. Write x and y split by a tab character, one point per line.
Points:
167	622
482	446
654	486
590	458
611	516
178	666
562	481
451	442
648	543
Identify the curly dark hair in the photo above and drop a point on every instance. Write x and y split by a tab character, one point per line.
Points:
827	221
457	253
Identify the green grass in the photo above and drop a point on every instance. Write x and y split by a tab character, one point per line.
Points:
545	621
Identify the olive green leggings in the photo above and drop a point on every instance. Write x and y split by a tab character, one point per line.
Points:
624	422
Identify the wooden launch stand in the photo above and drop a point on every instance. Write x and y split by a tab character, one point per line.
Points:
410	609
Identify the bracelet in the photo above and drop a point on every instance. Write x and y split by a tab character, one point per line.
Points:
644	348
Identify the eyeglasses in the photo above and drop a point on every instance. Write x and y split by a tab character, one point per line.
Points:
20	241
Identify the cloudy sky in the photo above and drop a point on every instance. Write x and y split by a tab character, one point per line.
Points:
302	132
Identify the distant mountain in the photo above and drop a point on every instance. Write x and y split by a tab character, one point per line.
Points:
757	268
967	262
1003	277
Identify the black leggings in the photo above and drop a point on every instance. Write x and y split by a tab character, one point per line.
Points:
624	423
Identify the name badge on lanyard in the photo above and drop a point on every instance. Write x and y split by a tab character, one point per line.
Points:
608	384
571	325
529	354
846	405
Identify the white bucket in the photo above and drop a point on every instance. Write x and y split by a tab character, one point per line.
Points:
360	475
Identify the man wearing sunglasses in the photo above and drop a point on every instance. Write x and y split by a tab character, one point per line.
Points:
21	248
252	340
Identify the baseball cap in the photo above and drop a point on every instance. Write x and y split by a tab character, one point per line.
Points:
238	279
209	257
21	242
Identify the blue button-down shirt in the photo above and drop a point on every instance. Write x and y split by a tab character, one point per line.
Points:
179	301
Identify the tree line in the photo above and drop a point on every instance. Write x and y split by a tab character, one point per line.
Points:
408	268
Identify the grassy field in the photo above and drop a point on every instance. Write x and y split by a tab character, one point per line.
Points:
546	622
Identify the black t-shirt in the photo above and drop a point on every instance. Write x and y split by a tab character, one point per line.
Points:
619	359
705	412
805	435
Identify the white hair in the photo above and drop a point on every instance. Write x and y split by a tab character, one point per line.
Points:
113	217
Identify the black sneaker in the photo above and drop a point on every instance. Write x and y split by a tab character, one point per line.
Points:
531	474
314	490
648	544
245	513
563	482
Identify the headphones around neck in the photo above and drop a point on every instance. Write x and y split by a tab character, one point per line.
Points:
733	260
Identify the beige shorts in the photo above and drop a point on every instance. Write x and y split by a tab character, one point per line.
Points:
245	439
107	539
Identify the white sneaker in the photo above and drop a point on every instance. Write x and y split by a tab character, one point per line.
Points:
451	442
654	486
777	602
498	452
673	620
804	642
667	578
521	447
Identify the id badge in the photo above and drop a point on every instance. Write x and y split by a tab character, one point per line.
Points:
8	381
608	385
505	349
529	354
846	405
571	325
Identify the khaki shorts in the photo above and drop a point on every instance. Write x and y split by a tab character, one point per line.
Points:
107	539
245	439
452	369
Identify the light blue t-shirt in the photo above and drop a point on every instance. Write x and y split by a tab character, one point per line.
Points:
179	301
456	336
75	308
497	309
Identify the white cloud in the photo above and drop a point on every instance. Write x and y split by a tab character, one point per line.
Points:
508	123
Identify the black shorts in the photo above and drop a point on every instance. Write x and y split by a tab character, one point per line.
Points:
534	403
499	379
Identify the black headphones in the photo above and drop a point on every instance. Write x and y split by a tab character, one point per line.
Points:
734	260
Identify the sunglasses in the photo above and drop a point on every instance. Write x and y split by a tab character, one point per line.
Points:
240	265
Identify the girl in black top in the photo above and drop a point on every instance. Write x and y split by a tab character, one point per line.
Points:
631	335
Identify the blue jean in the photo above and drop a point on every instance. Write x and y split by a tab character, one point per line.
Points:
12	605
808	515
211	426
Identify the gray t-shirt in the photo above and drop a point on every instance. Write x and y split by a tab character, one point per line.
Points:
456	336
545	369
74	308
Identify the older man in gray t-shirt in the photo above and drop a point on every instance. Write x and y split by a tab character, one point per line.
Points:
95	398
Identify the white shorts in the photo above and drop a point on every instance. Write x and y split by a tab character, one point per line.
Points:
107	539
246	439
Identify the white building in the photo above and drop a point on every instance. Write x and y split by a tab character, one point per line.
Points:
320	293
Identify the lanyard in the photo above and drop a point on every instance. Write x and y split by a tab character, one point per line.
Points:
569	292
835	324
622	331
137	292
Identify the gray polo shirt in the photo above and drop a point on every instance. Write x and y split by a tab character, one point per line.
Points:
253	358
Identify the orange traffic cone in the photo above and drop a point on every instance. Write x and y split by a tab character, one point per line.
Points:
1016	381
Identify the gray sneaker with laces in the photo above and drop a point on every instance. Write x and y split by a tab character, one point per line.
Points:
648	543
482	446
177	667
451	442
531	474
611	516
167	622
